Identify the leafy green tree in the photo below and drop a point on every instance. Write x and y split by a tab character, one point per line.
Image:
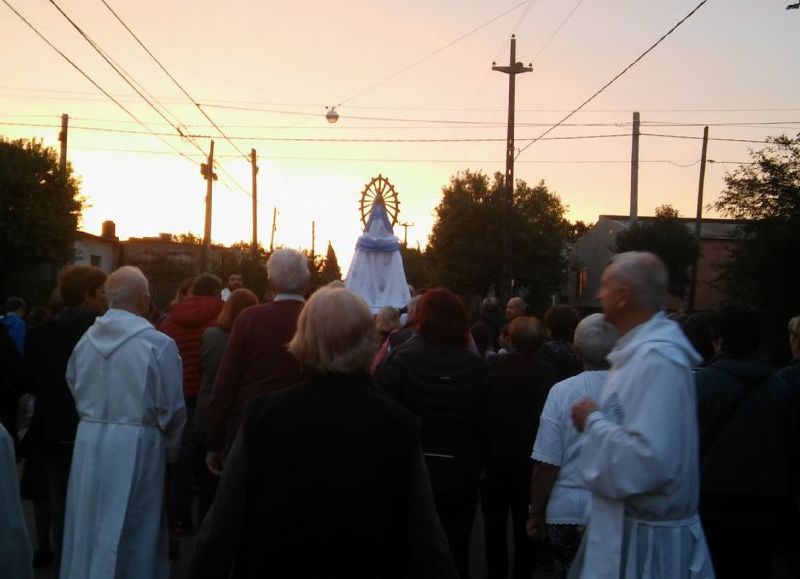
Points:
330	267
764	270
39	207
670	239
466	241
189	238
416	267
240	259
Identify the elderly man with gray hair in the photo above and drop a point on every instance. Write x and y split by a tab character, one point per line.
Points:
125	377
639	449
256	360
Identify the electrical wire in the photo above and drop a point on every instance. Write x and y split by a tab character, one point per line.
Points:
557	30
609	83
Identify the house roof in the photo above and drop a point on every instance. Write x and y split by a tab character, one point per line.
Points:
710	228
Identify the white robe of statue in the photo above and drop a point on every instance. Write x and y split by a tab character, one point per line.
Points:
126	379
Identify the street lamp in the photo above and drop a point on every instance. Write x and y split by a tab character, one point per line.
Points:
332	115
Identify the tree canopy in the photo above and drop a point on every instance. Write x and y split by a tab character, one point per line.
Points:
330	268
466	241
39	207
764	271
670	239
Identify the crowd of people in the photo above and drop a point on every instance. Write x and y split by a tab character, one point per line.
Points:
305	437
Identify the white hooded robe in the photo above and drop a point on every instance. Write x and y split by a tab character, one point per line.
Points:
126	379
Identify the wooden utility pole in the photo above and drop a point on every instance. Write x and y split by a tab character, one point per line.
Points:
405	227
512	70
272	235
699	218
254	171
634	214
62	137
207	171
313	239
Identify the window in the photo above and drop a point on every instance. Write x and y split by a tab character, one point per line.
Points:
581	282
95	260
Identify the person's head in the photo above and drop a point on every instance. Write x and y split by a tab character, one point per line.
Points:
127	289
16	306
83	285
184	291
238	301
235	281
736	331
526	334
594	339
387	320
206	284
561	321
441	318
515	308
335	333
633	288
490	307
794	336
287	271
697	328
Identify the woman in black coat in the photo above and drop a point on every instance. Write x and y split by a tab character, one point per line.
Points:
326	478
436	376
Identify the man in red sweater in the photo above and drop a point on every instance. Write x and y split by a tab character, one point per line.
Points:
256	360
185	324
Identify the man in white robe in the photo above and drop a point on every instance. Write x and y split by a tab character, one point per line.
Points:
125	377
639	449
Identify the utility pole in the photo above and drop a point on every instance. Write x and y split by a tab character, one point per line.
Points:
405	227
272	235
512	70
62	137
634	215
207	171
254	171
313	239
699	219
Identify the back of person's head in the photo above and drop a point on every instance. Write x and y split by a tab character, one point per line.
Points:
15	304
526	334
441	318
184	291
287	270
125	288
561	321
482	336
239	300
387	319
37	316
335	333
736	331
206	284
412	307
793	327
697	328
490	307
594	340
647	276
78	282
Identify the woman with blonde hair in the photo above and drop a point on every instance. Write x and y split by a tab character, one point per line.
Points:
325	478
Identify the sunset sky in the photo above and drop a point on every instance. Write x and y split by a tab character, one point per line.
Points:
414	71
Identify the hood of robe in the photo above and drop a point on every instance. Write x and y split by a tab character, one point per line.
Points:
114	328
658	333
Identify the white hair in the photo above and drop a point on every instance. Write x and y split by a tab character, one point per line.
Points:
594	339
125	287
287	269
646	274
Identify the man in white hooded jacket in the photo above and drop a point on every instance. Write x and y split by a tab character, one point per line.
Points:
125	377
639	448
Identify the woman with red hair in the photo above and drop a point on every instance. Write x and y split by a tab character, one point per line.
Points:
436	376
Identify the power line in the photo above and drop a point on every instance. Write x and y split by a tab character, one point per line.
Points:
173	79
609	83
91	80
557	30
729	140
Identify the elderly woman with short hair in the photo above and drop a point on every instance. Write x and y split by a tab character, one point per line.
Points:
326	478
559	499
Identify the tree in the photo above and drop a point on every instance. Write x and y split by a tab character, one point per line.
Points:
416	267
764	270
670	239
330	267
466	241
189	238
39	207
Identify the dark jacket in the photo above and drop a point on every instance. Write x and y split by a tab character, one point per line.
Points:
185	324
447	388
12	382
47	352
560	354
746	439
324	480
520	384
